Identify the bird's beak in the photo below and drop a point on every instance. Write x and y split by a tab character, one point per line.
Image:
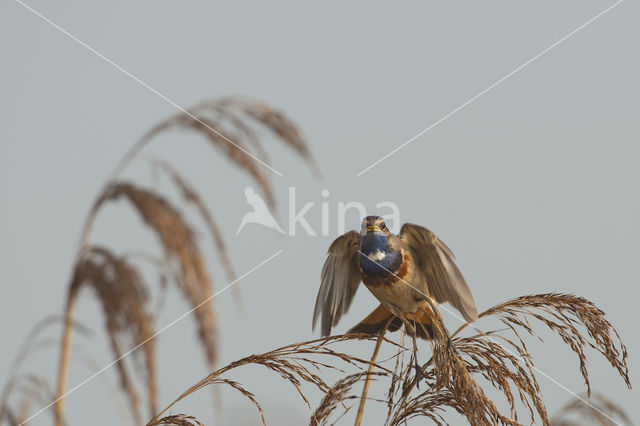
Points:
372	228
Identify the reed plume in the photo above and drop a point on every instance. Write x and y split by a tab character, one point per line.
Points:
27	387
177	420
123	295
293	363
501	359
232	126
458	372
603	411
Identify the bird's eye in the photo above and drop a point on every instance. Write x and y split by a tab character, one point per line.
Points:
384	227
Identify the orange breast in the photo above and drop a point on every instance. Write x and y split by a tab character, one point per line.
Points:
390	280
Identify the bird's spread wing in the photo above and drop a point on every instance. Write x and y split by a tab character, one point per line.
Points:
339	281
437	262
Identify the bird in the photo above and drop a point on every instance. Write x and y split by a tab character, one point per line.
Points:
409	273
260	213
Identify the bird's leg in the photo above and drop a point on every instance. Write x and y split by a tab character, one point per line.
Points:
446	333
416	364
411	329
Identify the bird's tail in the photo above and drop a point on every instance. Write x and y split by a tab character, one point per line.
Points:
376	320
423	322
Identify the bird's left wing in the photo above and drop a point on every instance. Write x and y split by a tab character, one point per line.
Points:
339	281
437	263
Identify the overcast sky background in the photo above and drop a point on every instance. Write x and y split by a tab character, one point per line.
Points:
534	185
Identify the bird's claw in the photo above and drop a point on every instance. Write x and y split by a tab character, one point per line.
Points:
418	373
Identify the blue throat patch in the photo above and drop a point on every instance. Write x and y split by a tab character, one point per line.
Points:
376	243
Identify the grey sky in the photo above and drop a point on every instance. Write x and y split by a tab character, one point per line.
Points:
534	185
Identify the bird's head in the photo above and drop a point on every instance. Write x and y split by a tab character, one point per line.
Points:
374	225
380	248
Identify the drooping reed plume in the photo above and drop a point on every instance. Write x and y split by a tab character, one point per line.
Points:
501	359
603	411
292	363
29	389
456	377
235	128
177	420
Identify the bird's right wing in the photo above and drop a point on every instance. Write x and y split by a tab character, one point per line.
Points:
436	261
339	282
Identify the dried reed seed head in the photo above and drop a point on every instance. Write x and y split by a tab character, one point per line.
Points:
230	125
563	314
279	124
293	363
505	363
223	137
177	420
179	244
123	302
453	373
602	411
30	390
226	115
338	395
190	195
123	295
